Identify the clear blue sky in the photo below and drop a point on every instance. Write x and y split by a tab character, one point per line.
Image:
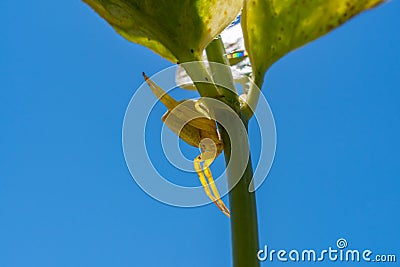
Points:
67	197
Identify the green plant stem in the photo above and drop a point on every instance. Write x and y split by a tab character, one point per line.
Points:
198	72
221	72
244	226
253	96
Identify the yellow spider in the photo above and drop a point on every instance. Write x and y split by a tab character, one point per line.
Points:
199	130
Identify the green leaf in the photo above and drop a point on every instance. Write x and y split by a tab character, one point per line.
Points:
178	30
272	28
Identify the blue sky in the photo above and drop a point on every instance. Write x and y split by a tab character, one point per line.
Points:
67	197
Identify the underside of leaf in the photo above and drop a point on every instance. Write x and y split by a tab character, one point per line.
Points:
178	30
272	28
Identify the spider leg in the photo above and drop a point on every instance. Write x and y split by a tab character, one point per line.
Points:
203	181
214	196
214	189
